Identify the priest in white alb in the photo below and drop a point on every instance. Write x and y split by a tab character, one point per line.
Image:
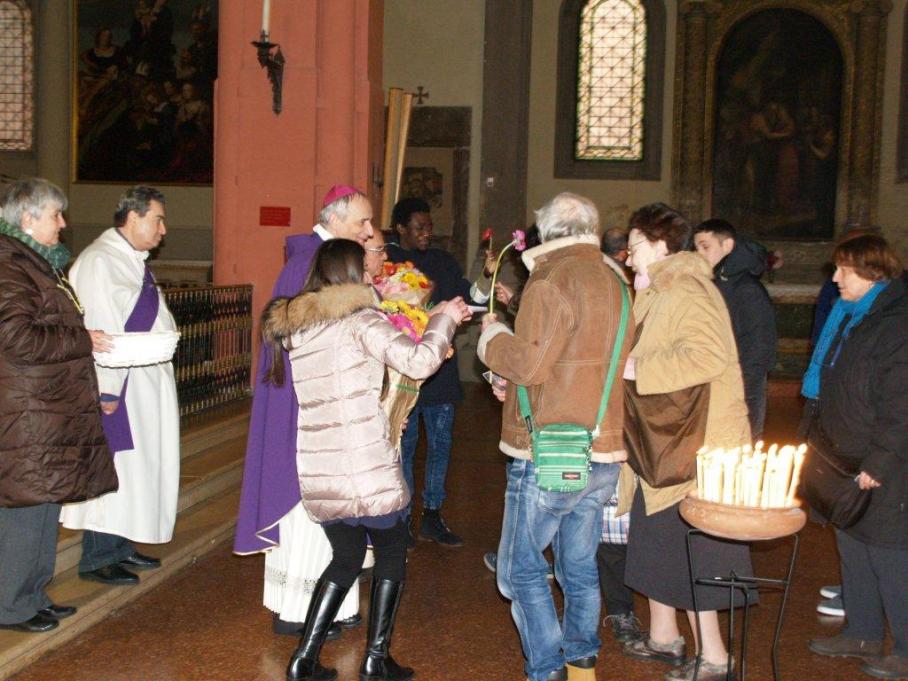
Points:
139	403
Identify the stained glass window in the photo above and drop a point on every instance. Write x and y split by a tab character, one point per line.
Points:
16	115
611	75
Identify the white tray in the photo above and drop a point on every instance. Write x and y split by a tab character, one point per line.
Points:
139	349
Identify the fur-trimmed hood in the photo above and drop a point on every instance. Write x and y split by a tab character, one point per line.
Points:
286	316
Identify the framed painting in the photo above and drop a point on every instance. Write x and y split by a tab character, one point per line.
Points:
143	83
778	113
428	174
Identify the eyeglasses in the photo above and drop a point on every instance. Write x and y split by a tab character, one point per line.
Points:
377	249
630	247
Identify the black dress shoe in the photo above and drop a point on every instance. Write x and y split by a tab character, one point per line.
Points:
36	625
285	628
58	612
350	622
137	561
111	574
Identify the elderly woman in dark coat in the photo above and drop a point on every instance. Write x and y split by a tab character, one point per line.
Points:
52	446
857	387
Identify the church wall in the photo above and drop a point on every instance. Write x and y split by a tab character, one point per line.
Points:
893	201
91	206
615	198
439	44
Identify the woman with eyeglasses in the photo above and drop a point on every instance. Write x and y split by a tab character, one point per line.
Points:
857	390
684	349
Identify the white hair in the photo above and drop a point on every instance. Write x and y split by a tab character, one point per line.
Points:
567	215
338	208
30	195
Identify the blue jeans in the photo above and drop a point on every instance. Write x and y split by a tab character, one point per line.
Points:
439	421
572	524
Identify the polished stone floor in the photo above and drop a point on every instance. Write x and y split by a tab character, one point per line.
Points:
208	622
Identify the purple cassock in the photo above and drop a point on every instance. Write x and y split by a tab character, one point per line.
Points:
270	482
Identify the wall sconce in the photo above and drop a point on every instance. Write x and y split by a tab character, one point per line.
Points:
274	64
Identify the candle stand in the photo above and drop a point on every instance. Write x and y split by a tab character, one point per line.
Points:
724	521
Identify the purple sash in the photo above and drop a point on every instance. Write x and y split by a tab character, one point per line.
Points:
142	318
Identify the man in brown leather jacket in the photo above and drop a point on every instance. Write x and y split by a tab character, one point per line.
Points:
561	349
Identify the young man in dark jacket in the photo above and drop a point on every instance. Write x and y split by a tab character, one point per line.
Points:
738	264
412	224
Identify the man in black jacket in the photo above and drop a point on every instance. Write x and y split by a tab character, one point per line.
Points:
412	223
738	264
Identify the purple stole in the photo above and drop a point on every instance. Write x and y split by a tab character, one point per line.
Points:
142	318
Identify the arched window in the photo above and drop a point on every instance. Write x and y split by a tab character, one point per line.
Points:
16	51
611	63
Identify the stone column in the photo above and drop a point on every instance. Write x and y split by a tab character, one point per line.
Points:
870	41
691	193
329	131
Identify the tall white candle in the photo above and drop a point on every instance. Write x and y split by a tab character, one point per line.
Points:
266	16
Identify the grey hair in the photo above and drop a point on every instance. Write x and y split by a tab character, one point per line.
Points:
338	208
136	199
30	196
567	215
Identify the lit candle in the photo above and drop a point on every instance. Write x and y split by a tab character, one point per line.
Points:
266	16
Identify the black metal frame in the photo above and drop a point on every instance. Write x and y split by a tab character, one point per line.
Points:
274	65
745	584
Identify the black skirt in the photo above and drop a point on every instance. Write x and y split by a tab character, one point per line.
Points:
657	560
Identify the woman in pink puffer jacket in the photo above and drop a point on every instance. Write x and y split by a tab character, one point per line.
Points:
350	474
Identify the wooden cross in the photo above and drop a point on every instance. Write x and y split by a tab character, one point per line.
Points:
420	94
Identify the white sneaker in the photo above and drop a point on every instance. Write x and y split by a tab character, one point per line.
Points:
832	591
834	607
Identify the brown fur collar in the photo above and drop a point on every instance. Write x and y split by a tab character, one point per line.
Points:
285	316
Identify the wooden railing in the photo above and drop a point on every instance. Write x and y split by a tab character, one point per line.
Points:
213	360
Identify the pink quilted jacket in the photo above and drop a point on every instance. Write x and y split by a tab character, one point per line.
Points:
339	344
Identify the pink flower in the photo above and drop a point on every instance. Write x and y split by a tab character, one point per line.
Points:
487	234
520	240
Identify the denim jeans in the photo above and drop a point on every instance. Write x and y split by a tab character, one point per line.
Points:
572	524
439	422
100	549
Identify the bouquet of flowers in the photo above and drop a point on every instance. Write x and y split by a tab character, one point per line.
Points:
403	282
404	291
410	319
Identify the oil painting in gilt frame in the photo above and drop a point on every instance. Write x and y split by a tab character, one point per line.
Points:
143	76
778	110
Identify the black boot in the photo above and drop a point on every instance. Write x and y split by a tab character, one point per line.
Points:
378	665
326	601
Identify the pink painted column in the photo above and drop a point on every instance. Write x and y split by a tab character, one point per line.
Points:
329	131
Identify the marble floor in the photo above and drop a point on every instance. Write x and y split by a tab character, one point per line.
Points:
208	622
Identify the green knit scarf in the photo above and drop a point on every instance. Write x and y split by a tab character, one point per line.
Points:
57	255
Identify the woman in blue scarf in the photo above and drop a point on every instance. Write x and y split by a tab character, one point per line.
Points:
857	390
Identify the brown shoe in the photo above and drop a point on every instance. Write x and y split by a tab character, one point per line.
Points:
843	646
889	667
647	649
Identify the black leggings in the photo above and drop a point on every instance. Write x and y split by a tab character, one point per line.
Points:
349	546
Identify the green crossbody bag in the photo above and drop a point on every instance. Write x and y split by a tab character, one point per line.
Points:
562	451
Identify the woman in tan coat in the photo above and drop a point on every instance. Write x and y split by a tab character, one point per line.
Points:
350	474
684	340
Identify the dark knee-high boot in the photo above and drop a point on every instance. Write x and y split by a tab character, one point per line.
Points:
378	665
326	601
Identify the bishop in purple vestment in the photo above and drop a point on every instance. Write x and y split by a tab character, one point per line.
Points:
270	482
